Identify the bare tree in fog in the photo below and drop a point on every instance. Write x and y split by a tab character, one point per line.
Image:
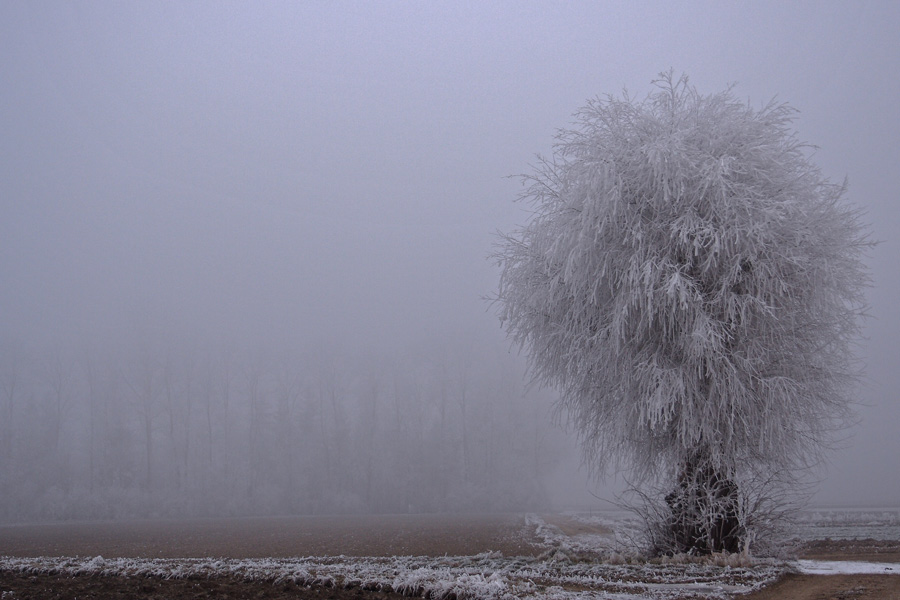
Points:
92	379
58	380
142	380
691	284
8	393
10	389
162	430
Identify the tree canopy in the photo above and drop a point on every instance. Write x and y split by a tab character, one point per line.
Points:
690	282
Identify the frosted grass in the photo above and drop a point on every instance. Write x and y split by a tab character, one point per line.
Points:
571	566
485	576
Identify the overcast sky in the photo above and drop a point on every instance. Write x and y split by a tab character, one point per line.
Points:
264	173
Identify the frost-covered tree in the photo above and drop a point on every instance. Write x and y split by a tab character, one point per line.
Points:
690	283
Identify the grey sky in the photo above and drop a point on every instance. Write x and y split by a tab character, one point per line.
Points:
266	172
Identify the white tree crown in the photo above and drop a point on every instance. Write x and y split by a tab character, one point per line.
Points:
690	282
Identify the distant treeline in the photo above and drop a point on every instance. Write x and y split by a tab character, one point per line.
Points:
163	432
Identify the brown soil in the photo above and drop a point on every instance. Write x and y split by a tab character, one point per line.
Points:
19	586
831	587
839	587
422	535
419	535
277	537
389	535
572	527
867	550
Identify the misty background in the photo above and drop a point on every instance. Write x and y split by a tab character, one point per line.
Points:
244	247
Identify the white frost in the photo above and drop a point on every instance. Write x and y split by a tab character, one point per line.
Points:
484	576
846	567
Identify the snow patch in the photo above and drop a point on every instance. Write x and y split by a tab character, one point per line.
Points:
848	567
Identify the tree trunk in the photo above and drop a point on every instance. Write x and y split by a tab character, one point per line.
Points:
704	511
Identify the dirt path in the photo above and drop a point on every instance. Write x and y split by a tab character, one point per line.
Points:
831	587
839	587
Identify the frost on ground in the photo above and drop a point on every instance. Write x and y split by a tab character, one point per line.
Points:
845	524
486	576
582	556
846	567
610	537
580	562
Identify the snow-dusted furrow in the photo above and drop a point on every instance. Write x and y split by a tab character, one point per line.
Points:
487	576
580	563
